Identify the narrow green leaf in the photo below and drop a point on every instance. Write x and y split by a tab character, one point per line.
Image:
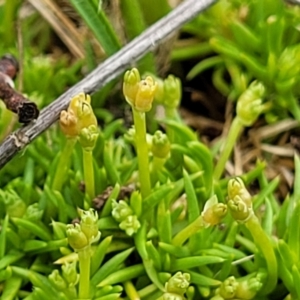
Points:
99	24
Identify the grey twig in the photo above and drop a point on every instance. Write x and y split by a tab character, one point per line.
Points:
105	72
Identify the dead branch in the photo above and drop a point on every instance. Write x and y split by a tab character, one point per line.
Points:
104	73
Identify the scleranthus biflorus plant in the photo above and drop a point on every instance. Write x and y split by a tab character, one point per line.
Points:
146	214
159	240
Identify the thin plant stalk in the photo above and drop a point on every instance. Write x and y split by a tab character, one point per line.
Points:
89	174
63	164
188	231
142	152
264	244
233	134
84	279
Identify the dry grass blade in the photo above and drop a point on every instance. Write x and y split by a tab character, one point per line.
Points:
61	24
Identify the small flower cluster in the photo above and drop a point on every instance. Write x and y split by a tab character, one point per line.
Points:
161	146
82	235
213	212
176	287
239	200
139	93
125	216
168	91
79	121
244	289
67	281
249	105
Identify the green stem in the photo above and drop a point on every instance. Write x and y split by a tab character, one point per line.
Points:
188	231
63	164
264	244
89	175
142	152
233	134
84	279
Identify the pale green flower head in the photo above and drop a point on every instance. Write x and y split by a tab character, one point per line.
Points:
239	210
57	280
228	288
160	145
172	91
89	224
76	238
130	225
121	210
131	82
236	187
70	274
213	211
250	103
88	137
178	283
248	287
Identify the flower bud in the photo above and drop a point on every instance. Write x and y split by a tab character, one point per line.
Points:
89	224
15	206
160	91
130	225
239	209
160	145
139	93
248	288
57	280
288	63
213	211
79	115
76	238
70	274
228	288
121	210
88	137
33	212
81	105
68	123
145	94
172	91
249	105
236	187
178	283
131	85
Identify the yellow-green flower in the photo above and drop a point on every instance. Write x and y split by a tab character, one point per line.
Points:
57	280
131	83
130	225
89	224
249	104
76	238
236	187
176	287
160	145
239	200
68	123
172	91
88	137
213	212
139	93
78	116
145	94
